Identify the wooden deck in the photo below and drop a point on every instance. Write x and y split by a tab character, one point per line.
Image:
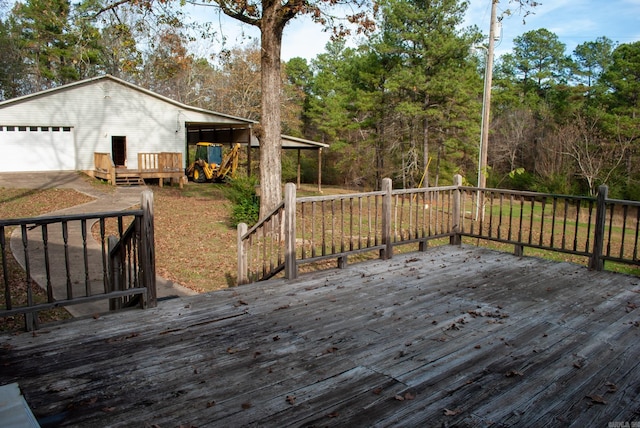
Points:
449	337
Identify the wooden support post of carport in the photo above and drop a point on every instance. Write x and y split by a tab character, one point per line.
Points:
319	170
299	166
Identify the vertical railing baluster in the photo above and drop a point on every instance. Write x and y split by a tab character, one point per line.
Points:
520	224
564	223
491	198
313	229
625	210
543	207
510	217
5	270
103	247
501	207
302	231
360	223
587	247
611	214
85	256
533	206
635	241
333	226
324	230
30	319
350	224
47	264
65	239
553	220
577	230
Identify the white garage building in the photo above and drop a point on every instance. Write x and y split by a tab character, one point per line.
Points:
65	128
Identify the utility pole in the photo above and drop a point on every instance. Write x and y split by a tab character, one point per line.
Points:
486	110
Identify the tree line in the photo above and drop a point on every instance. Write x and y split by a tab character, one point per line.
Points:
404	102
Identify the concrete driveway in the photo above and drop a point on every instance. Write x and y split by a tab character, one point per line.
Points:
118	199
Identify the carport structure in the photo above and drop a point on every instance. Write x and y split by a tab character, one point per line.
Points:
242	134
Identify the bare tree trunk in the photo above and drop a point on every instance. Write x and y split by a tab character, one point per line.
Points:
270	141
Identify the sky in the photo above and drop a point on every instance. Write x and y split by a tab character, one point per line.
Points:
573	21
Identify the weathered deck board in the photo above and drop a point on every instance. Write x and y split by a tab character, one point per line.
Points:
465	336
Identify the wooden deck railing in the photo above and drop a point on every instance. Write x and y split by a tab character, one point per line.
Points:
161	166
335	227
160	162
526	219
104	166
119	269
261	249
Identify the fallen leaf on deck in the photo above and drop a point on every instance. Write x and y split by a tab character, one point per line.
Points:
513	373
596	399
377	391
231	350
291	399
577	365
399	397
611	387
108	409
246	406
333	415
448	412
210	404
409	396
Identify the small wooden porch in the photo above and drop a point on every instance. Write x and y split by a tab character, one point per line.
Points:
161	166
451	336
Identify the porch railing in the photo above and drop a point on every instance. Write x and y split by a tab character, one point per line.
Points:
160	162
104	166
313	229
59	255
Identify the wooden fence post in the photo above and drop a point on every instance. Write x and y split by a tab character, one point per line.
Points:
290	267
147	249
387	187
243	277
456	239
596	262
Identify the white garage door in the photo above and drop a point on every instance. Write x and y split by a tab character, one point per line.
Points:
37	148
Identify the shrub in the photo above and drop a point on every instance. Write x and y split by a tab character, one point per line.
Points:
241	192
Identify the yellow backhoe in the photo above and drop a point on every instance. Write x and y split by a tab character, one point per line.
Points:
211	165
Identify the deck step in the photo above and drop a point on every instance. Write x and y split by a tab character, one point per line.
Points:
129	180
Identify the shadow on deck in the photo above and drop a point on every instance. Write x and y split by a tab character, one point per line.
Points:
448	337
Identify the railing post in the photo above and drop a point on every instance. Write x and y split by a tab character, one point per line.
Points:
147	249
290	267
455	238
596	262
387	187
243	267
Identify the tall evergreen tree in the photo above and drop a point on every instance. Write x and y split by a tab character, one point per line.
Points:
430	82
